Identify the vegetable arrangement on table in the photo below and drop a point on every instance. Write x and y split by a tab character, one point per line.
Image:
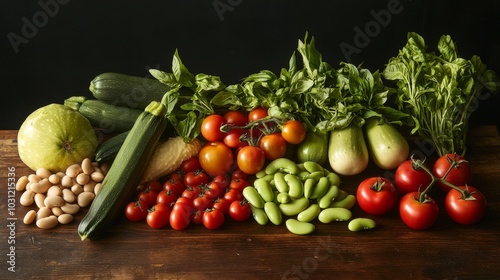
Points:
187	149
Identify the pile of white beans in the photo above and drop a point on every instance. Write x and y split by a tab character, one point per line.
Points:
59	196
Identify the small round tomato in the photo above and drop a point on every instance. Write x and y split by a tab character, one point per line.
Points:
235	117
232	138
240	210
174	185
257	113
191	192
238	184
460	175
216	158
222	204
233	195
155	186
148	196
251	159
408	179
136	211
214	190
197	216
177	175
196	178
416	214
273	145
158	216
210	127
238	174
213	218
293	131
376	195
223	180
181	216
166	197
467	209
190	165
201	202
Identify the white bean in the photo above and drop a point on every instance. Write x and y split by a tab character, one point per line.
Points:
54	201
77	189
34	178
68	195
29	217
41	187
97	176
27	198
57	211
87	167
47	222
21	183
70	208
67	181
54	179
39	200
82	178
85	198
54	191
43	213
43	172
89	187
65	218
73	170
97	188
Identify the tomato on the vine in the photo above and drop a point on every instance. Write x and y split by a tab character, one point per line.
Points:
233	138
235	117
213	218
460	175
293	131
136	211
257	113
251	159
273	145
190	165
216	158
376	195
196	178
240	210
210	127
418	214
408	179
158	216
465	210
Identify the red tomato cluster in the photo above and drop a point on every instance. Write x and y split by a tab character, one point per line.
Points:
191	195
245	139
416	208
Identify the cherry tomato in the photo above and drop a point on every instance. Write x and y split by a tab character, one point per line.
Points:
251	159
136	211
222	204
190	165
216	158
214	190
273	145
223	180
293	132
158	216
418	215
210	127
409	179
166	197
232	138
191	192
177	176
240	210
238	174
460	175
148	196
174	185
257	113
196	178
235	117
201	202
213	218
238	184
376	195
155	186
466	210
181	216
197	217
233	195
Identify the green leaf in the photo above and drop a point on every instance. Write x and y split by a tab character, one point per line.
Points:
181	73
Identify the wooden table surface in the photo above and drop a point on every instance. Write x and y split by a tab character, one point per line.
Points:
249	251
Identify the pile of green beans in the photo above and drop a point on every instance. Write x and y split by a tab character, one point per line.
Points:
300	193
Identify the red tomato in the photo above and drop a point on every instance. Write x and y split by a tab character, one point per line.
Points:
273	145
213	218
176	176
136	211
232	138
210	127
216	158
197	217
238	184
257	114
148	196
238	174
166	197
196	178
175	186
460	175
190	165
376	195
181	216
214	190
191	192
466	210
158	216
293	132
201	202
240	210
155	186
222	204
235	117
418	215
410	180
233	195
251	159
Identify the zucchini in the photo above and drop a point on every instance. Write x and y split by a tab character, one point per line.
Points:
107	150
123	178
104	115
128	91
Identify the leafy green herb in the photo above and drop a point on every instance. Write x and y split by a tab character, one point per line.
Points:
439	91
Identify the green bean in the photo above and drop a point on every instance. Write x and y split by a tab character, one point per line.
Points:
280	183
348	202
309	214
327	198
284	164
259	215
361	224
300	228
294	207
329	215
253	197
312	166
295	185
283	197
309	186
264	189
273	212
321	188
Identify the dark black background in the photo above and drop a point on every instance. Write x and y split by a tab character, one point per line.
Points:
74	41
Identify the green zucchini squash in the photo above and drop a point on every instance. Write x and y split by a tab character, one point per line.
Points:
125	174
108	117
128	91
107	150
